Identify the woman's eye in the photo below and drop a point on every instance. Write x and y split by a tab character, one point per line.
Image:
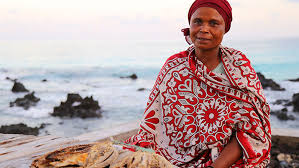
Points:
213	23
197	21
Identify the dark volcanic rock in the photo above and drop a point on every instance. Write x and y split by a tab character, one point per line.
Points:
294	80
13	80
76	106
282	114
269	83
133	76
26	102
283	146
285	102
141	89
20	129
19	87
296	102
44	80
290	103
284	110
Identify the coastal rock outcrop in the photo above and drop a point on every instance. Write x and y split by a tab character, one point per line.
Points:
20	129
294	80
296	102
26	102
282	114
76	106
142	89
284	102
269	83
18	87
284	152
133	76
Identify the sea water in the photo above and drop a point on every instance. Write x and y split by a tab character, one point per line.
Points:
94	68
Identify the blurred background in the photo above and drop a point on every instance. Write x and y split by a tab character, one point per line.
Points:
86	46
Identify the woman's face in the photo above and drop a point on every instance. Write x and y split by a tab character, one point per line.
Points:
207	28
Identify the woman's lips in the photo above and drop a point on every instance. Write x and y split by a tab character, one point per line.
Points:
203	39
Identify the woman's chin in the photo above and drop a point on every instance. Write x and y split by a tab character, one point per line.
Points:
204	46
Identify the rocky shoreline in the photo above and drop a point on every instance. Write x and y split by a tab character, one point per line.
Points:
77	107
284	151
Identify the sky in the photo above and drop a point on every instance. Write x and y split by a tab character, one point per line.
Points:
137	19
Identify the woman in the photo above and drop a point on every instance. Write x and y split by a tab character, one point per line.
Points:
207	107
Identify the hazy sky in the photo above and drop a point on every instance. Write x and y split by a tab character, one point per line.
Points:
137	19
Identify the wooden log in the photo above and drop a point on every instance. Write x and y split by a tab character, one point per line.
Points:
18	151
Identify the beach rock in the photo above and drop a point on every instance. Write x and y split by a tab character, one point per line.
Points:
18	87
76	106
294	80
284	110
274	163
282	115
13	80
296	102
20	129
284	152
141	89
285	144
43	125
269	83
44	80
26	102
284	102
290	103
284	157
133	76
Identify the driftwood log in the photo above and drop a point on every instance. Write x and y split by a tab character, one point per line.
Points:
18	151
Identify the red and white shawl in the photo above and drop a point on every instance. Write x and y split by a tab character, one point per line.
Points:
192	112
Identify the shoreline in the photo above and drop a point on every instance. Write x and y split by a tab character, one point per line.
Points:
130	103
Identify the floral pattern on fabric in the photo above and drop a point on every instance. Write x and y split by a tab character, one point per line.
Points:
192	112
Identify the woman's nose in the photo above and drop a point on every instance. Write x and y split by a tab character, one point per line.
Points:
204	28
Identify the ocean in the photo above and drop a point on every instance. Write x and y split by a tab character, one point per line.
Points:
94	68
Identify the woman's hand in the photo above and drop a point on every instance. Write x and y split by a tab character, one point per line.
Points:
231	153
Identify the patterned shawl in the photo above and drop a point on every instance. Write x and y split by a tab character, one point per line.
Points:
192	112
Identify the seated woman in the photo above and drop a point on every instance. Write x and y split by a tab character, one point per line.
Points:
207	107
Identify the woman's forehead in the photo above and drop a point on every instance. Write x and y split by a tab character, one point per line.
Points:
206	12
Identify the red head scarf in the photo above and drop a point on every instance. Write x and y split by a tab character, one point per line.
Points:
222	6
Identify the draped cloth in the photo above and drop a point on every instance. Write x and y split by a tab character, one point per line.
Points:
192	113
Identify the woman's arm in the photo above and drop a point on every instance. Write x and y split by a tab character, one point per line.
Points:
231	153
